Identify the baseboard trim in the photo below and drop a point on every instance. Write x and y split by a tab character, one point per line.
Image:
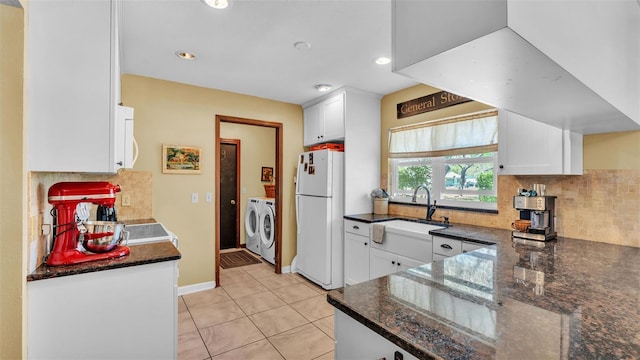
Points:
188	289
285	269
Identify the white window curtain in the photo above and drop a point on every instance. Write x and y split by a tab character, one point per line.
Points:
470	133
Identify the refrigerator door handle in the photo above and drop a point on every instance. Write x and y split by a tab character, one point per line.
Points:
298	214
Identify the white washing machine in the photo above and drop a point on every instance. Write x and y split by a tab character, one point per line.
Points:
252	224
268	230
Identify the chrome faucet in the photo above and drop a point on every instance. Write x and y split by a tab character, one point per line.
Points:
430	208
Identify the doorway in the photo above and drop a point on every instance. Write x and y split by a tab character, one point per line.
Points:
278	127
229	213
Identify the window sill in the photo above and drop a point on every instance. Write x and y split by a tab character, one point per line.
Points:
456	208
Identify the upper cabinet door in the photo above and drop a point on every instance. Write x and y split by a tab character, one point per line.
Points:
313	125
324	122
72	86
334	118
529	147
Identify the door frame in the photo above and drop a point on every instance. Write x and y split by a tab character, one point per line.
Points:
278	175
235	142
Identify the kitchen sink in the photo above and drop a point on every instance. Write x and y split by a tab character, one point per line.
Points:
410	228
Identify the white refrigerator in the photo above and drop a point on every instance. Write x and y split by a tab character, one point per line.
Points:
319	216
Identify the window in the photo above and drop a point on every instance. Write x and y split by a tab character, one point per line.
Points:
454	157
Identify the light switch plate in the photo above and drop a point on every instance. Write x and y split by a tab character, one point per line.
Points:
209	197
194	197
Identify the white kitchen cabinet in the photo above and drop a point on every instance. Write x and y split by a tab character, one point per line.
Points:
359	128
128	312
529	147
446	247
356	252
383	263
73	87
356	341
324	122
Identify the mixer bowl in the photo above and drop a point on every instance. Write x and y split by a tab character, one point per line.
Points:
101	244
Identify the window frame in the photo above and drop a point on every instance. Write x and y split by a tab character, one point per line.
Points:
438	188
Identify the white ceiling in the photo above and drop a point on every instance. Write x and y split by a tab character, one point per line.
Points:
248	47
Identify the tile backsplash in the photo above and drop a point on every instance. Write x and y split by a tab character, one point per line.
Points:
600	205
136	184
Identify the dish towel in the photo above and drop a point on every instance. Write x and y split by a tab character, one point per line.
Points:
377	233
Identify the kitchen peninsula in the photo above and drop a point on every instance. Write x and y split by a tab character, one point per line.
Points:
562	299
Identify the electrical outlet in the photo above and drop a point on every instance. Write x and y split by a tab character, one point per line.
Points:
45	229
209	197
126	200
194	197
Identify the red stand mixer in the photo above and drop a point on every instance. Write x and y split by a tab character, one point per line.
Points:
65	197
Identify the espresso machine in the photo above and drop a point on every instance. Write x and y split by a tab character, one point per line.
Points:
70	226
540	210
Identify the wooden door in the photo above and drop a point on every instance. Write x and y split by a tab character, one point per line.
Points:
229	213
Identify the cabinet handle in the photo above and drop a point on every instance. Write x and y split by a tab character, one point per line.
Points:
119	163
365	244
464	251
356	227
501	166
399	264
446	246
393	262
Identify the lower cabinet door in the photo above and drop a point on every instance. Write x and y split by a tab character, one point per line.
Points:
356	341
381	263
356	258
405	263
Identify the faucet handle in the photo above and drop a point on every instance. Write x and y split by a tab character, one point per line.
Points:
446	219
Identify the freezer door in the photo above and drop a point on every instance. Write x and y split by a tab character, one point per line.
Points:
315	173
314	238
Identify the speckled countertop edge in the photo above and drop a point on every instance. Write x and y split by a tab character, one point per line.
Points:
140	255
405	344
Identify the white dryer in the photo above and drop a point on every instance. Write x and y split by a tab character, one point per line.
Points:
252	224
268	230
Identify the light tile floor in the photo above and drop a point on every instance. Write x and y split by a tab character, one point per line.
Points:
256	314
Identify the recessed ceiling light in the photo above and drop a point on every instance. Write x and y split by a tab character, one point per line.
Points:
217	4
323	87
382	60
302	45
186	55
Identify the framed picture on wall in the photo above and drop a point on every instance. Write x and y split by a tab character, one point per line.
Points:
267	174
177	159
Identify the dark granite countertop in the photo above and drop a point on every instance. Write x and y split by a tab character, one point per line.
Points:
566	298
140	255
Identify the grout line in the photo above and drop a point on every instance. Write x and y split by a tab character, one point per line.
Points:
197	329
301	281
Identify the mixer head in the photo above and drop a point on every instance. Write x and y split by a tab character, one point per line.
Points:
96	192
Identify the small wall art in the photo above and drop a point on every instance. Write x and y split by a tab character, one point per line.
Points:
267	174
177	159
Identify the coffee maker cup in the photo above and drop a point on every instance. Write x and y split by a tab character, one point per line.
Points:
539	219
539	189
